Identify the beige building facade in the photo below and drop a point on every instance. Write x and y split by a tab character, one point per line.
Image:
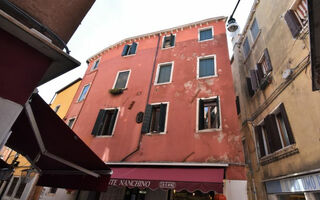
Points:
278	110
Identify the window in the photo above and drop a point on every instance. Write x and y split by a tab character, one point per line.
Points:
164	73
260	76
206	67
168	41
122	80
95	65
129	49
246	47
57	108
297	17
71	122
154	120
105	122
209	114
274	132
254	29
205	34
12	186
20	190
84	93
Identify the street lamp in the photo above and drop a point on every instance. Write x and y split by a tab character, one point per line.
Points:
232	25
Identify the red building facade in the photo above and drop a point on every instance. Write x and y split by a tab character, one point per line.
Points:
175	109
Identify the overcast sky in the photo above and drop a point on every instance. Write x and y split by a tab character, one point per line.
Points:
110	21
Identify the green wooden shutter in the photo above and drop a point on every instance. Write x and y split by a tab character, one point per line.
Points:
259	141
125	50
133	48
287	124
273	133
147	119
162	120
259	72
99	122
249	86
254	80
218	111
238	105
293	23
268	60
201	115
172	40
112	122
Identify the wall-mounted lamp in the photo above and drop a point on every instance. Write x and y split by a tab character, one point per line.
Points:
232	25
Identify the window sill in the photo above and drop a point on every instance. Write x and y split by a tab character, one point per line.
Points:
209	130
155	133
166	83
103	136
205	40
163	48
129	55
280	154
213	76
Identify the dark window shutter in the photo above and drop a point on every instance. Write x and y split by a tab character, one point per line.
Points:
99	122
238	105
286	122
273	133
133	48
146	119
172	40
218	112
201	114
112	122
249	86
259	72
254	80
293	23
125	50
162	120
259	141
268	60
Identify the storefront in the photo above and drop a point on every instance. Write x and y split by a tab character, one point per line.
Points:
295	187
165	183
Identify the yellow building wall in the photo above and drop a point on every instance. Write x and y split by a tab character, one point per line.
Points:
9	155
64	99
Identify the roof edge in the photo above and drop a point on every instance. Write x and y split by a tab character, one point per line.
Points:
157	32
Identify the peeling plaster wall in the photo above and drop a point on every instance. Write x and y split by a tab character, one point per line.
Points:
181	142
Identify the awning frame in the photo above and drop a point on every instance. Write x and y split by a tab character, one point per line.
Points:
44	151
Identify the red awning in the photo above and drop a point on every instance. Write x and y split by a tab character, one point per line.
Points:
62	158
190	179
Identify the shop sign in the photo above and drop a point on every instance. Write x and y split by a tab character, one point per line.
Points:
167	185
129	183
309	182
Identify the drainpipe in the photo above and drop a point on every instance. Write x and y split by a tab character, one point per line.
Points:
148	97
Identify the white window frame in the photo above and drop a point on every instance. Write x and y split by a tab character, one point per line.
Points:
158	73
175	39
197	116
130	48
166	121
85	96
115	123
215	66
75	118
115	81
92	66
203	29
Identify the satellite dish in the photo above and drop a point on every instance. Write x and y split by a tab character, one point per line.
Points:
286	73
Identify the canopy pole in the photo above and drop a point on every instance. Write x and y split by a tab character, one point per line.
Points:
44	151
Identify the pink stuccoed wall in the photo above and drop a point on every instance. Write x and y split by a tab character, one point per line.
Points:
181	143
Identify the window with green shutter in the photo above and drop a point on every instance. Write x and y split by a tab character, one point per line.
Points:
164	73
209	114
205	34
206	67
129	49
105	122
122	80
168	41
154	120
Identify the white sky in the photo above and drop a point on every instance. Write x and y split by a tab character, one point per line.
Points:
110	21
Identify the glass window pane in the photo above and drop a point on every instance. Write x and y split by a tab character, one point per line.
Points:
122	80
20	190
206	67
206	34
254	29
70	123
246	47
164	73
12	186
84	92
